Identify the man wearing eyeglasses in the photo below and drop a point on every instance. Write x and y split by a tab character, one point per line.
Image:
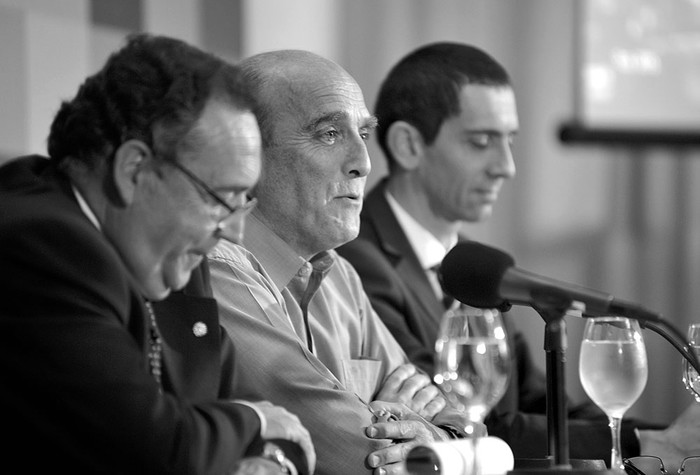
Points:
149	166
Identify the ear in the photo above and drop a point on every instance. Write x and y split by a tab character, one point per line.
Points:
406	144
129	160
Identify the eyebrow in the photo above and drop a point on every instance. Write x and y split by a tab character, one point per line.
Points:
334	117
372	122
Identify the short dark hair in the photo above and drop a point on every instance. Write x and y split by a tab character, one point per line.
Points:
153	89
423	87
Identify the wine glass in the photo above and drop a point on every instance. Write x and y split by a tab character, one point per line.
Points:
472	363
691	379
613	370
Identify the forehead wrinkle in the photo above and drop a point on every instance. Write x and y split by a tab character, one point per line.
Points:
334	99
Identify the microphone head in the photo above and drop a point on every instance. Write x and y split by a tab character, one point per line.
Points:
472	272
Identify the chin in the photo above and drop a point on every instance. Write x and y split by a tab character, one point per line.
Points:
158	284
479	215
180	280
155	294
345	238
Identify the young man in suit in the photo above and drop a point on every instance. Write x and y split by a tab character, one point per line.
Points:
148	165
447	119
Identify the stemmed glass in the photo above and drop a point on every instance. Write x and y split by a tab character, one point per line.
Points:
613	371
472	363
691	379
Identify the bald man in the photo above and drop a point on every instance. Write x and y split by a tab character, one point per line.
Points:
306	335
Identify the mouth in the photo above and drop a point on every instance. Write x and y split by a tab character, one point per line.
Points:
489	194
351	196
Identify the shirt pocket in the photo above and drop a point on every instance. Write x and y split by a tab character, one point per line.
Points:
363	377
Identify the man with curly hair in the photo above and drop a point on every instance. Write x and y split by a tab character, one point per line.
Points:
148	167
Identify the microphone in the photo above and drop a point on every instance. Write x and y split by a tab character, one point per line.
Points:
486	277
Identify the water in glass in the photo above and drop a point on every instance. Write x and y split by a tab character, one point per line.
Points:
613	370
472	362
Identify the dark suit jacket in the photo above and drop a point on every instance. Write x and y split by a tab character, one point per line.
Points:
198	355
191	366
402	296
76	392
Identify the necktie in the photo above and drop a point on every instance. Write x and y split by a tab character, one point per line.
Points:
155	348
447	301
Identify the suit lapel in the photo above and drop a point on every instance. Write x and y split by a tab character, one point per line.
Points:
190	331
395	245
138	323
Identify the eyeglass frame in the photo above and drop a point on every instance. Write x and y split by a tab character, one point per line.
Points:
628	464
240	210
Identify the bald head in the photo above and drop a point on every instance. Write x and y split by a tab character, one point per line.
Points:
314	126
282	78
288	63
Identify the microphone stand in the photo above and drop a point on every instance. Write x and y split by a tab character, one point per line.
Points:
552	307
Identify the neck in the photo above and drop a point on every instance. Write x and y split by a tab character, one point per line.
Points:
300	246
412	198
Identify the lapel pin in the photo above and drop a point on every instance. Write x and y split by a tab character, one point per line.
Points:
199	329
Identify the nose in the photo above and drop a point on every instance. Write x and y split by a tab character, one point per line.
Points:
358	163
503	165
231	229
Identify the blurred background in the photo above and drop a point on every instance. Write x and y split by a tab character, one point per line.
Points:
623	216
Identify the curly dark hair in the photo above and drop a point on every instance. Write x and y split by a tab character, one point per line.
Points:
423	88
153	89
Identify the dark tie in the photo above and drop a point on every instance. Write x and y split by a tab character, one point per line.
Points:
155	345
447	300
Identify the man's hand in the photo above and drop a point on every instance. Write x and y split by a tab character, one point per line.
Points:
407	385
257	466
681	439
459	421
282	424
406	428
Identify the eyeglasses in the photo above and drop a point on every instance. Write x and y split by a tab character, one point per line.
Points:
233	210
652	465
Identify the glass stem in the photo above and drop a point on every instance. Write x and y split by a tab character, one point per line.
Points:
474	429
616	455
474	462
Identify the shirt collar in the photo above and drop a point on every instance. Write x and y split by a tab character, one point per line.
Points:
278	259
86	208
429	250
